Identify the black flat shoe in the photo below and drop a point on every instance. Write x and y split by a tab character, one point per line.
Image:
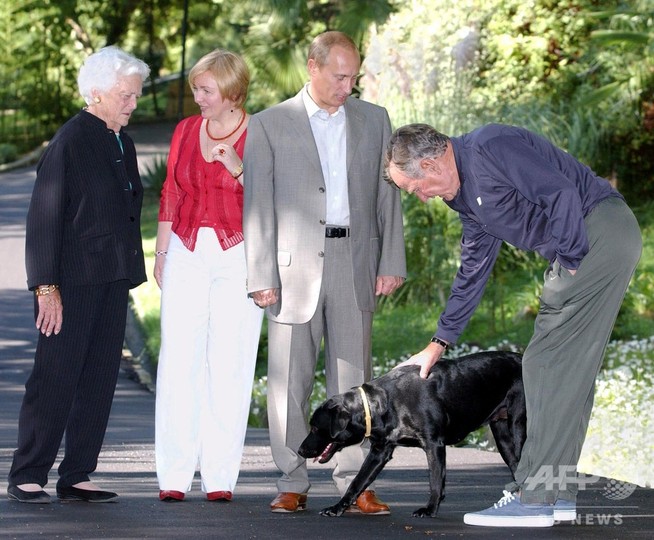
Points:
14	493
76	494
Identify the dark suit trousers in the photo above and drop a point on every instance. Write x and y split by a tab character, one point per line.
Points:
71	386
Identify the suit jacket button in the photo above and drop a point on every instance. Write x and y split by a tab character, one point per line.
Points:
321	189
132	218
322	222
321	254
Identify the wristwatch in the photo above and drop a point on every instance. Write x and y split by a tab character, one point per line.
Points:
442	343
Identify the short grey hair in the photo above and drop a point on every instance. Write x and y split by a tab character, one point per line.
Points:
409	145
102	69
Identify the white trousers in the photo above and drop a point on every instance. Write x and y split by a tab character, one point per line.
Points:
209	337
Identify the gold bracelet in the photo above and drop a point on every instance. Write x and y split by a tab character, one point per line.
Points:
44	290
239	171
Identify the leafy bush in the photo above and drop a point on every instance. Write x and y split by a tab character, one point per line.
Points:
8	153
432	234
581	76
155	174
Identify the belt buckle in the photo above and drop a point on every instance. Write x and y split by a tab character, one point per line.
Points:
336	232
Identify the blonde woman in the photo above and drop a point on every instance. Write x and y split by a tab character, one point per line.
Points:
209	326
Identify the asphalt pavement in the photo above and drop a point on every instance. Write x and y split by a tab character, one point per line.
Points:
475	478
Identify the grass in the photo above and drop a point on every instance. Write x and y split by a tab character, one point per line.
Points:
146	298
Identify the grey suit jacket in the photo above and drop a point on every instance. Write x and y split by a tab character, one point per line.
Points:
285	207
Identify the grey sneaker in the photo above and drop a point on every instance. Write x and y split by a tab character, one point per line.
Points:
510	512
565	510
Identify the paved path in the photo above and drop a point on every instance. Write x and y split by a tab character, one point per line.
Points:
475	478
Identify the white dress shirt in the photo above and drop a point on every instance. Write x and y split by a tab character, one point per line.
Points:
330	135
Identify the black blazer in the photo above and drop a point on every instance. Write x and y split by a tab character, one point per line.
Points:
84	218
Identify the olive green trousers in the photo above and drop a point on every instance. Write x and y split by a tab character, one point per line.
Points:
560	364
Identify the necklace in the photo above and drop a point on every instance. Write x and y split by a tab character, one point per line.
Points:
240	123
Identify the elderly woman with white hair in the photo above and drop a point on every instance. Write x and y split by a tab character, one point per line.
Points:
83	253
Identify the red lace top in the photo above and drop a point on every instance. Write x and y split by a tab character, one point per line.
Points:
197	193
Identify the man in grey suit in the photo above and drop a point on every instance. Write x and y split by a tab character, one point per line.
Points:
323	238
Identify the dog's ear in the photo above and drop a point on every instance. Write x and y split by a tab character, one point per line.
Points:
340	419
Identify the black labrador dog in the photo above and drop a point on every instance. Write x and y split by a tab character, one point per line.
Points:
401	409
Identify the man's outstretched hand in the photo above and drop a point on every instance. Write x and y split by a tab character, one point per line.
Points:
426	358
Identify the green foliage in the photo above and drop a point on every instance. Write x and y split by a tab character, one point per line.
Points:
150	216
527	47
582	77
277	35
8	153
155	174
403	327
45	42
432	235
423	68
637	311
587	75
533	64
623	52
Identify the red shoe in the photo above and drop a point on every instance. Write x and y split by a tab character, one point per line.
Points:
171	496
219	496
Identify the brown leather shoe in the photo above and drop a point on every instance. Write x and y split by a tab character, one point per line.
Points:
287	502
368	503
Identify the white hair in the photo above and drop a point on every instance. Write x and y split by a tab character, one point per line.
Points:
102	70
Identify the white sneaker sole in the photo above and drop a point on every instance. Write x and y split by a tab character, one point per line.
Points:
565	515
506	521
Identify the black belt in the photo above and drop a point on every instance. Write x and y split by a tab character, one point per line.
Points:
337	232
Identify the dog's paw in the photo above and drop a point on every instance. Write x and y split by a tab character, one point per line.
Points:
332	511
425	512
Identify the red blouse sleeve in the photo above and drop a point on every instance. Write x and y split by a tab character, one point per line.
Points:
171	191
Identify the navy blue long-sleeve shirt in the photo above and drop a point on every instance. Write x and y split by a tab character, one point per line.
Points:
519	188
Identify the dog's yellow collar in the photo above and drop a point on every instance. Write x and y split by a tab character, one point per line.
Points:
366	408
